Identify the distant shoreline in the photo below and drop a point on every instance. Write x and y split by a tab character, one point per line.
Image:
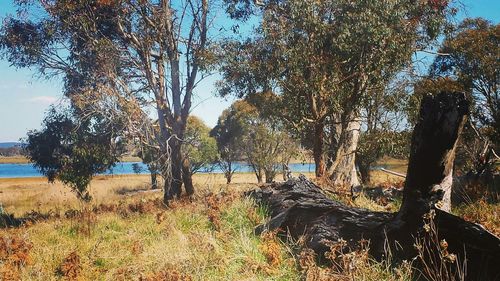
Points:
24	160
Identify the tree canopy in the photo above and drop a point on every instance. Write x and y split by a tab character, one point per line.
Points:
471	58
199	147
71	150
323	59
121	60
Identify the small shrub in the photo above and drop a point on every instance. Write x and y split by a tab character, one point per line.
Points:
14	254
213	211
271	248
70	267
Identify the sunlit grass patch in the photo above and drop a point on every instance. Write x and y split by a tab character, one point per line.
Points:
482	212
127	247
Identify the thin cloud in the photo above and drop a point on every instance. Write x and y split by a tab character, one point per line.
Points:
43	99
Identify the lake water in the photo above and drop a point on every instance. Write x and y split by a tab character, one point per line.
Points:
124	168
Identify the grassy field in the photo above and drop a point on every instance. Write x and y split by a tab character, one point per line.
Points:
127	234
13	160
20	195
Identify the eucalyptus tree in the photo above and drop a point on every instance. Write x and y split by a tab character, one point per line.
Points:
198	146
385	130
322	59
126	60
72	150
228	133
472	62
245	133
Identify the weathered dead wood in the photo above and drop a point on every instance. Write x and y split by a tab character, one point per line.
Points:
299	209
430	168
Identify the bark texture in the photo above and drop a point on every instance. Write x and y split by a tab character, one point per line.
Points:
154	180
318	150
434	140
342	170
300	209
187	176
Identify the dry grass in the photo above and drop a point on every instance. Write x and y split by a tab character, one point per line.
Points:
13	160
132	236
21	195
184	245
482	212
396	165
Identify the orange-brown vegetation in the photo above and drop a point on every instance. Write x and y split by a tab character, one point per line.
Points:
14	254
70	266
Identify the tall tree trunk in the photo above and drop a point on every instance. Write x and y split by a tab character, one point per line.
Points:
429	176
187	177
343	169
173	182
318	149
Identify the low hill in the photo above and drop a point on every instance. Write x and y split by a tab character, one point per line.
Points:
9	144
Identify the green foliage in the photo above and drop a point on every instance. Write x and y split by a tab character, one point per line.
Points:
373	145
71	151
150	155
63	40
386	131
199	147
319	50
426	86
243	132
473	61
228	135
323	59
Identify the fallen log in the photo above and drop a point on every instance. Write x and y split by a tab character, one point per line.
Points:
300	209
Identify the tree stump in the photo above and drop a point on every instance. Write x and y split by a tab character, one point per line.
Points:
300	209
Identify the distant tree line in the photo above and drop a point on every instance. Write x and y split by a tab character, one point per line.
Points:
11	151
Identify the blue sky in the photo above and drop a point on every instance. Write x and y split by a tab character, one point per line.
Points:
24	98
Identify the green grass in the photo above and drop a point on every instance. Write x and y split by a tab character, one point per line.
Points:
186	240
136	245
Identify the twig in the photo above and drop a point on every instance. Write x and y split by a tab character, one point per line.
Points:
393	173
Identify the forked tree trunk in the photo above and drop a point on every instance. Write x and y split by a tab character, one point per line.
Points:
228	174
180	168
258	174
300	209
